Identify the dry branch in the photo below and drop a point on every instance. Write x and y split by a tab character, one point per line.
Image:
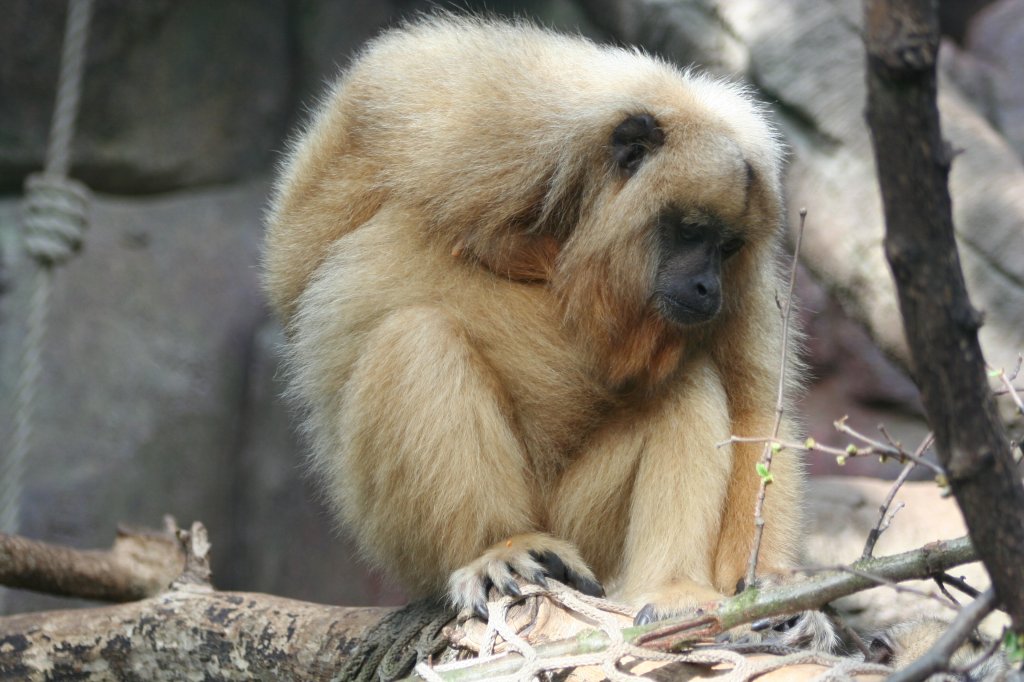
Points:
140	564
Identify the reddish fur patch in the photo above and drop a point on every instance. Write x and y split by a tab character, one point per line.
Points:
647	355
519	257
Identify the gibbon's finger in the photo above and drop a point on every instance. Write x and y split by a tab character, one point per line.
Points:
531	570
500	576
556	568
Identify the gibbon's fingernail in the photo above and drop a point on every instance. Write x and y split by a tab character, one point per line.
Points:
511	588
648	614
587	586
480	610
537	578
488	584
762	624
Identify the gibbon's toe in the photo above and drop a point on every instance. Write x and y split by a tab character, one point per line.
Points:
648	614
531	558
652	613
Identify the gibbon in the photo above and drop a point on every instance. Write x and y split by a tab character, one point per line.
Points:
529	287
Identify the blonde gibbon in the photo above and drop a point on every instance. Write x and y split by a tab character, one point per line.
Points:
529	285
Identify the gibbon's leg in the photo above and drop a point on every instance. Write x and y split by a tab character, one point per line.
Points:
438	482
677	496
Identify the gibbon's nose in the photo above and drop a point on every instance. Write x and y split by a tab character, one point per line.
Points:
704	288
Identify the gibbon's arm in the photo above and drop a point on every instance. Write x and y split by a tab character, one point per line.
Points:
436	474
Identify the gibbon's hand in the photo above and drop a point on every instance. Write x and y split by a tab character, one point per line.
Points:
533	558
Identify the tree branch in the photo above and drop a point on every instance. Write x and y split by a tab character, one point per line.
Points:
140	564
941	326
214	635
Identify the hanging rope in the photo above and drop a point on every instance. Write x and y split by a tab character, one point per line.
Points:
54	220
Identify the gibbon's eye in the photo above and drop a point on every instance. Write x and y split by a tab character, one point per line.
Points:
730	247
691	233
634	139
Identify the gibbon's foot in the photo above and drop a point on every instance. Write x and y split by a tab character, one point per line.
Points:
677	598
532	557
805	630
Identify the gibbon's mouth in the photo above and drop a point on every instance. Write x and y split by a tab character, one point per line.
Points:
688	313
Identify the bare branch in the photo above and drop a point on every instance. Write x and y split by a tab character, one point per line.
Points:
937	658
817	590
958	583
182	633
882	525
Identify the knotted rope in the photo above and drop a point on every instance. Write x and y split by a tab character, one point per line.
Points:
54	219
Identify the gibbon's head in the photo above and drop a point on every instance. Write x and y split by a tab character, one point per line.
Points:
646	197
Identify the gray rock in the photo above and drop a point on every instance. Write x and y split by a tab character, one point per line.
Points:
996	37
809	57
176	93
143	383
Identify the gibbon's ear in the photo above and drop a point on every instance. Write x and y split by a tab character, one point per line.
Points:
634	139
527	258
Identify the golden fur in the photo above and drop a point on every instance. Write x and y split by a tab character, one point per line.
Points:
466	283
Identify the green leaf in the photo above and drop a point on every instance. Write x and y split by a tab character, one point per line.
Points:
764	473
1013	644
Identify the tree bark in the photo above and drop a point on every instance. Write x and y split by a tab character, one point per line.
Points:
941	326
185	633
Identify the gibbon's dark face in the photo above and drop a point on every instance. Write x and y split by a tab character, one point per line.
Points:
688	286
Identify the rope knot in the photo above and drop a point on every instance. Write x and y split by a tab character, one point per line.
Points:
54	217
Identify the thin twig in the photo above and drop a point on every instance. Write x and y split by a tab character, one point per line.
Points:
1007	381
882	525
815	591
841	454
958	583
849	633
937	658
780	397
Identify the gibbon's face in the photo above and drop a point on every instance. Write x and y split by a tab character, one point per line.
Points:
688	285
692	246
